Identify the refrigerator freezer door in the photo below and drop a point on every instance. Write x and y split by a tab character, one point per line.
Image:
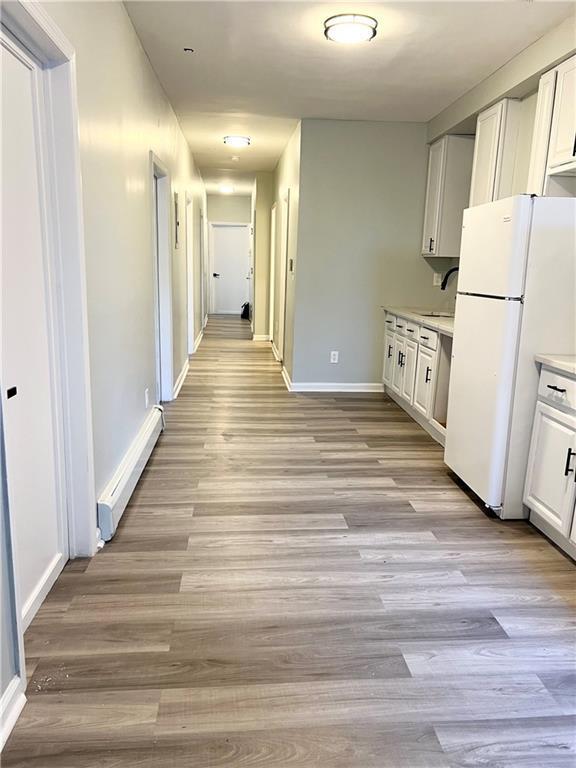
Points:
480	398
494	247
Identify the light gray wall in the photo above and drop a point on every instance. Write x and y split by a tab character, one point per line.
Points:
362	187
235	209
124	114
262	213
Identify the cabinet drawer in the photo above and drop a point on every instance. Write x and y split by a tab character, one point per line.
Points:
557	389
412	330
390	322
401	324
428	338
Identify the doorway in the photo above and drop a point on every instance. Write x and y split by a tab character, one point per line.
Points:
33	422
190	282
272	272
230	267
163	279
280	278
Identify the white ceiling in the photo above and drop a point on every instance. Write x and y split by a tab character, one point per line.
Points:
260	66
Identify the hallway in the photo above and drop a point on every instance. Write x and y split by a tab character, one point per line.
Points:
299	583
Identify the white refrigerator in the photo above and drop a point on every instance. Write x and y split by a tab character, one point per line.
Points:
516	297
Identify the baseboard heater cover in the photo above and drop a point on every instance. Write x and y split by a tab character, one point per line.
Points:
116	495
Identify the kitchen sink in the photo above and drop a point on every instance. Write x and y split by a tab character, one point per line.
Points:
437	314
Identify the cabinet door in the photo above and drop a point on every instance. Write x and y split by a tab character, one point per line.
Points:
388	358
425	381
550	485
398	364
409	365
433	196
541	134
485	165
563	135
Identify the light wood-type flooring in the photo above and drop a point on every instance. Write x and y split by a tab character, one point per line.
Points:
299	582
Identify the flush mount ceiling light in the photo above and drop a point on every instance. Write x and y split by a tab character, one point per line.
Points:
350	28
237	141
226	189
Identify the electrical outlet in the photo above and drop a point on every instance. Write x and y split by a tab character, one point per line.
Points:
334	356
146	397
437	279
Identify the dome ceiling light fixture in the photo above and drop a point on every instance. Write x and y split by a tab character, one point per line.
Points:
237	141
350	28
226	189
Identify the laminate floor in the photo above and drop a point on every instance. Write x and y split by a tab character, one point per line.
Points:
298	582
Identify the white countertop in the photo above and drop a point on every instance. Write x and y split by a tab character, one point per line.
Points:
564	363
444	325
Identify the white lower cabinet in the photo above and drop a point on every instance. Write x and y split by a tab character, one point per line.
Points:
550	489
398	364
388	358
425	381
409	372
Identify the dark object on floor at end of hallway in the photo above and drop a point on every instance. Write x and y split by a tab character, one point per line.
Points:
245	314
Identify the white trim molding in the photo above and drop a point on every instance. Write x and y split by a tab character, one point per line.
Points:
197	341
275	352
115	497
260	337
180	380
11	704
332	386
287	379
45	584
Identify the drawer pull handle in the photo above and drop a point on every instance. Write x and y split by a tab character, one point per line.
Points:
569	455
409	330
389	350
399	326
428	376
555	388
426	338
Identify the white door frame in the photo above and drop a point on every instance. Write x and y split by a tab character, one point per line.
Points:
30	23
283	276
211	226
162	250
190	283
272	287
203	271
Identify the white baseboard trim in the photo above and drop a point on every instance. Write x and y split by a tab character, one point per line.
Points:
11	704
260	337
197	341
287	379
276	353
45	584
114	498
417	416
330	386
180	380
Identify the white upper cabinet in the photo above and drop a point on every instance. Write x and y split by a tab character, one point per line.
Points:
541	134
447	189
563	134
495	152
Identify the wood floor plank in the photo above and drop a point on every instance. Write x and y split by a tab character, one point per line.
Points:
299	581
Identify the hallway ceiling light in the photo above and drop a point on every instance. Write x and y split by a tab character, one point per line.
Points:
237	141
226	189
350	28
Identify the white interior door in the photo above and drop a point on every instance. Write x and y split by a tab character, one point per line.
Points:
230	267
281	277
190	273
28	360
